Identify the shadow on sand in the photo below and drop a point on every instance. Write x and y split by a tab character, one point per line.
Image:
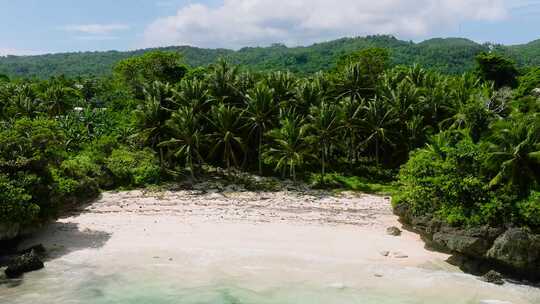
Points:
62	238
59	239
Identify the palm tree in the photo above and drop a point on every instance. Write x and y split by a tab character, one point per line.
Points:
259	112
353	83
350	124
379	125
404	99
225	136
151	115
289	147
324	125
283	84
185	129
516	153
245	81
417	75
59	99
307	93
192	93
222	82
23	102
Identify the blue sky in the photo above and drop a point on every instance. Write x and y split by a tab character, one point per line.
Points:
43	26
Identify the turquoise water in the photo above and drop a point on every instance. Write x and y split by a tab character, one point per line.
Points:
109	292
154	289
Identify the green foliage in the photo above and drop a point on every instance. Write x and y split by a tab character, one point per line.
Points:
16	204
446	182
364	67
529	209
497	68
450	56
152	66
29	149
529	82
133	168
354	183
289	148
469	150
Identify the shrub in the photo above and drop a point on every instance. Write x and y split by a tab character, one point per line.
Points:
131	168
77	178
29	149
529	209
446	183
16	204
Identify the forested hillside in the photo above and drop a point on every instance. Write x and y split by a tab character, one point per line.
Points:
450	56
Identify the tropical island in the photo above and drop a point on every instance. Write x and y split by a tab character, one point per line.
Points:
169	165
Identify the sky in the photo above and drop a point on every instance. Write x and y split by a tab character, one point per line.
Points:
29	27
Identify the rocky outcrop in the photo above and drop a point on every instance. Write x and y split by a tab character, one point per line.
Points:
24	263
493	277
393	231
514	252
518	249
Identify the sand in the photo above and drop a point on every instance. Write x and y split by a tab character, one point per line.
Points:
287	241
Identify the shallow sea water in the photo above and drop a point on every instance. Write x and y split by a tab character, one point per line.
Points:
141	287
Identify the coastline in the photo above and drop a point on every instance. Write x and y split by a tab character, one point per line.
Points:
259	241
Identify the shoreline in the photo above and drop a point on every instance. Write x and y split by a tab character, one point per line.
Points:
255	240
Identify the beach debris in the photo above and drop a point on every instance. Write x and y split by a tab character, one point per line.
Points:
394	231
399	255
493	277
24	263
385	253
378	275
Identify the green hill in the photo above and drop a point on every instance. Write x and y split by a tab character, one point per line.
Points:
450	55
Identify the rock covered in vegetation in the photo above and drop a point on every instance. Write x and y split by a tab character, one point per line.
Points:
24	263
394	231
517	248
493	277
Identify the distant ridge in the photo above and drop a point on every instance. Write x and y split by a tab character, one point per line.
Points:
448	55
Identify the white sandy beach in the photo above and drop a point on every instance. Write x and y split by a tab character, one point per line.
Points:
205	245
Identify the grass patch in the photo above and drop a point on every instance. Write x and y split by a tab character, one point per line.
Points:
355	183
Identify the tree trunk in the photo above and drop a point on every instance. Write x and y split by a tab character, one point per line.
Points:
161	157
260	152
323	156
377	151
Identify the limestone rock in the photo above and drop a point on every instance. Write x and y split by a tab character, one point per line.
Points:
493	277
464	244
394	231
24	263
517	248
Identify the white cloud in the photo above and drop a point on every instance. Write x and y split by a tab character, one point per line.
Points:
96	29
17	52
237	23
